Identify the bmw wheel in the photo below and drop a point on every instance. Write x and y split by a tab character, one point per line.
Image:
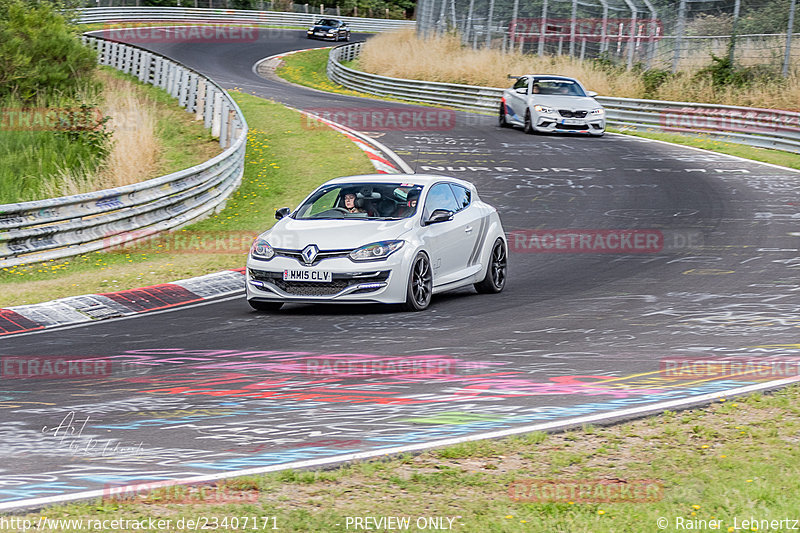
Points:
495	278
528	128
420	284
265	306
501	118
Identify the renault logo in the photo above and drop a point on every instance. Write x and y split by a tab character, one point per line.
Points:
309	253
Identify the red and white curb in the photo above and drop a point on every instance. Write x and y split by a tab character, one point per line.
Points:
92	307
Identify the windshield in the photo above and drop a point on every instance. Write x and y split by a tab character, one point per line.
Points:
327	22
368	201
557	87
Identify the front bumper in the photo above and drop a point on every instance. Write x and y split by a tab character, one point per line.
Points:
368	282
322	36
555	124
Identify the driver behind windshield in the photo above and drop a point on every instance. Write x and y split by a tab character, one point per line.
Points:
350	203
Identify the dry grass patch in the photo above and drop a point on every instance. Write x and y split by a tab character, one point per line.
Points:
444	59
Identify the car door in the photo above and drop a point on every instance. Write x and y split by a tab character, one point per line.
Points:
474	224
517	99
445	241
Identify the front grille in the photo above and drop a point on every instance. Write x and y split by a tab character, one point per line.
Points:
322	254
309	288
566	127
566	113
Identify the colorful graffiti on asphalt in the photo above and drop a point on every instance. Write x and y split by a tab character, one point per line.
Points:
233	409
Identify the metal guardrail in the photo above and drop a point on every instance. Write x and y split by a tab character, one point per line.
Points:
763	128
121	15
64	227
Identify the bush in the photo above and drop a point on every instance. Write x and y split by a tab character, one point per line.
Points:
40	54
724	73
653	79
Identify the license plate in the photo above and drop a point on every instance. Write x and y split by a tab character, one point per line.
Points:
571	122
319	276
320	33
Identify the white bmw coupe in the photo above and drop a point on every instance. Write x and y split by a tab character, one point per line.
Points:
386	238
551	104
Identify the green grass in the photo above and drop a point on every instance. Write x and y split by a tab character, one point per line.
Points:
33	154
309	69
775	157
733	461
285	161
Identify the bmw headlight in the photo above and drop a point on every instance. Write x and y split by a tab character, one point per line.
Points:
598	112
376	251
261	250
543	109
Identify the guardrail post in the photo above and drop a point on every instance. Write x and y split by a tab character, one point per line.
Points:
224	125
208	111
191	103
216	115
183	88
172	80
157	71
232	127
200	107
144	67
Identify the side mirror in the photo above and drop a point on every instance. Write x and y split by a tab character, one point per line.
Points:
439	215
282	212
591	94
522	90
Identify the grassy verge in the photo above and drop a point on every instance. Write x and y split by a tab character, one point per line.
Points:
775	157
717	467
285	160
309	69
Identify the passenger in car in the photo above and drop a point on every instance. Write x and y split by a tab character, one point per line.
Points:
410	207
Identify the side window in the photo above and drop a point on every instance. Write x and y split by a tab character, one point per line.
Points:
463	196
440	197
522	83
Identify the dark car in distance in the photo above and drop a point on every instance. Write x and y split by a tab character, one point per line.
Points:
333	29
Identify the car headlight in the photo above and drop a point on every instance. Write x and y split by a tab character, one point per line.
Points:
543	109
261	250
376	251
598	112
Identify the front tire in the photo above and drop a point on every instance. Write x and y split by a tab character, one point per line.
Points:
420	284
495	279
528	127
265	306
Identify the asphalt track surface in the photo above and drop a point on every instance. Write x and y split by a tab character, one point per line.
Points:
208	390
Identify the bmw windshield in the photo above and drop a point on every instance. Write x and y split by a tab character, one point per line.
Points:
368	201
